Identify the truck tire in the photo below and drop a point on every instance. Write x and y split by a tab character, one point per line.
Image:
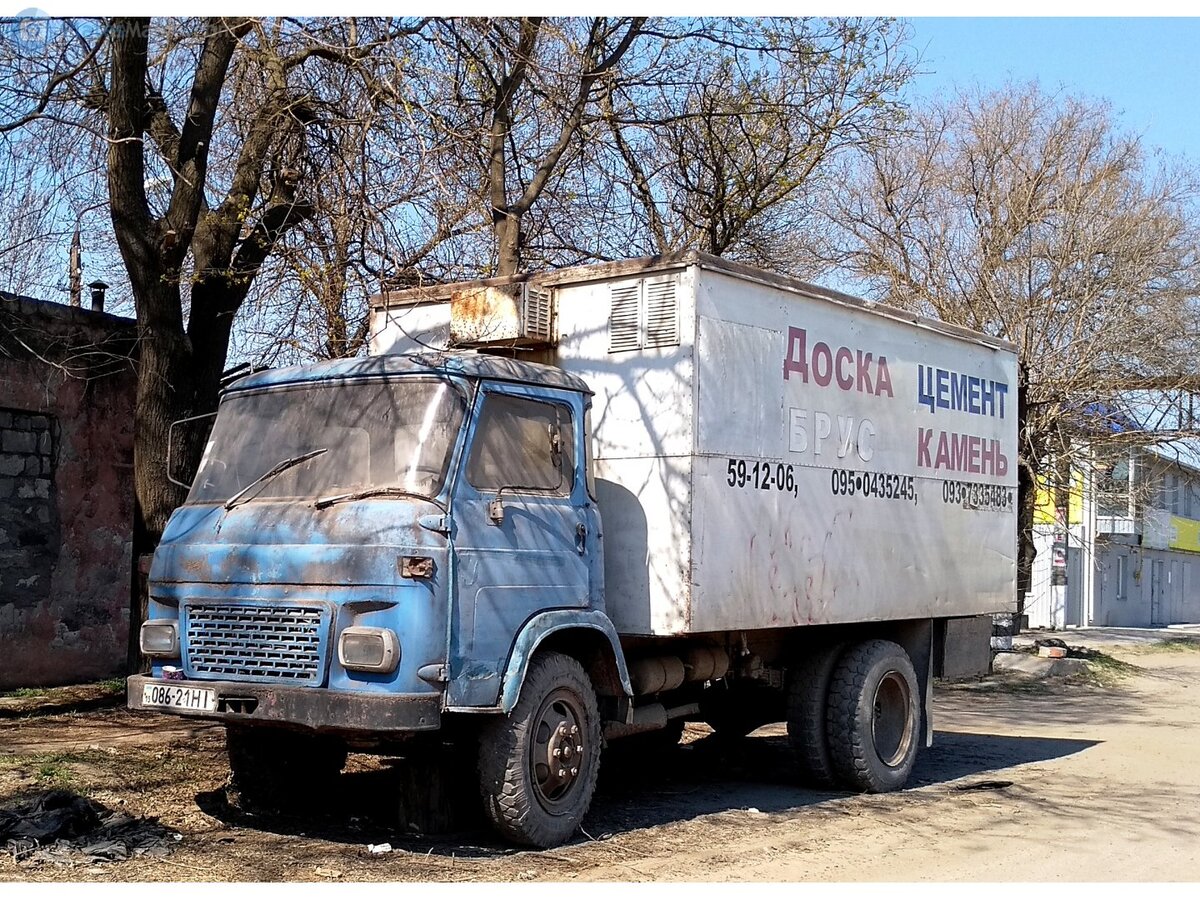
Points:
538	765
808	693
276	768
873	717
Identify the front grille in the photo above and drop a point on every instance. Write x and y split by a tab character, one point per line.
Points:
255	642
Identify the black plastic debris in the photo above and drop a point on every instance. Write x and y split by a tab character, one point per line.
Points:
1071	652
63	828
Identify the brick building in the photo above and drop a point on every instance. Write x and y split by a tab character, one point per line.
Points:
67	386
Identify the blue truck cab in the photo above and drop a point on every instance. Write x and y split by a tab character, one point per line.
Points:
372	545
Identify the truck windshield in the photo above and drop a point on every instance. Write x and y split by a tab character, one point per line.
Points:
397	433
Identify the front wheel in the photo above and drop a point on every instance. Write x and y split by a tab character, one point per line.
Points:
873	717
538	765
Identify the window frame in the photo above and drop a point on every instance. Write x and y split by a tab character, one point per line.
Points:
568	483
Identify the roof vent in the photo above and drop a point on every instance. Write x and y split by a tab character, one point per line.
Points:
643	314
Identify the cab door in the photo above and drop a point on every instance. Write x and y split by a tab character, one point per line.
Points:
522	518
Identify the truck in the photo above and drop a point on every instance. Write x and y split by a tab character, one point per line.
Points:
553	512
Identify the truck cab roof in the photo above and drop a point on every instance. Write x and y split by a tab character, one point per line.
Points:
444	363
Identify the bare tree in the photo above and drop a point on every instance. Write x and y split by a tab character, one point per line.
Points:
1031	217
521	92
208	128
386	200
723	146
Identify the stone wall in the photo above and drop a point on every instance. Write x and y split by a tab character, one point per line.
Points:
66	492
30	536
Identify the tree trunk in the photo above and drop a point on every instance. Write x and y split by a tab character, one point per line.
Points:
1026	551
164	394
1026	459
508	243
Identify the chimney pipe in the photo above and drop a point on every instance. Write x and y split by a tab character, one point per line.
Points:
98	288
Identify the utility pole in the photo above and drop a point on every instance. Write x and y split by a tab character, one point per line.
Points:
1087	543
76	266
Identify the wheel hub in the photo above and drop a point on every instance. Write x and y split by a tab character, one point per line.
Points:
890	720
559	749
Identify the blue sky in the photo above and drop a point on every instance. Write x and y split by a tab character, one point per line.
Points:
1148	68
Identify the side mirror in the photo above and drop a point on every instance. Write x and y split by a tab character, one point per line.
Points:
171	443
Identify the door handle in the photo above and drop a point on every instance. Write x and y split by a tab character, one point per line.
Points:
581	537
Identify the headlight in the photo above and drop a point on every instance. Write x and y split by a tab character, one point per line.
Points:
159	637
369	649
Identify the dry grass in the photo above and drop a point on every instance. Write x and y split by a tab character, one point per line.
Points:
1172	645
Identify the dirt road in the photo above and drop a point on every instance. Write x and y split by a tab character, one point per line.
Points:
1073	782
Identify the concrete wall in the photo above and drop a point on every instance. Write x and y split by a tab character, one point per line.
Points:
1135	586
1047	605
1143	586
66	492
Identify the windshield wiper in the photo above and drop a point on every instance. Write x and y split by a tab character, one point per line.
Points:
390	491
281	466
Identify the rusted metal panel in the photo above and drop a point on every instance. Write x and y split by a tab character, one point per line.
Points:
347	559
513	316
485	315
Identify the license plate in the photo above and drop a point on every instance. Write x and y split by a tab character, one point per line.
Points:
178	696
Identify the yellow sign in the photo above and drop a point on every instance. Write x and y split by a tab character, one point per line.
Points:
1043	512
1185	534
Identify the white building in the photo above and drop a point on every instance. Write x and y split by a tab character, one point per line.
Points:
1132	547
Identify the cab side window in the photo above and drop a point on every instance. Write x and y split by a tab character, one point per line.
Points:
523	444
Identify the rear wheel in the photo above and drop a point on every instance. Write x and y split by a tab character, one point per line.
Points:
808	693
873	717
538	765
276	768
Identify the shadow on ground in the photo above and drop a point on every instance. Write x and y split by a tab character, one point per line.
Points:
56	707
693	779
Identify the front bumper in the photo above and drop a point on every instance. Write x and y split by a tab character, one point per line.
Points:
318	709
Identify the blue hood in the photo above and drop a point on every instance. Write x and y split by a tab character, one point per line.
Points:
291	542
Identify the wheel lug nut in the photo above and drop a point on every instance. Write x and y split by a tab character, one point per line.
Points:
579	748
574	729
574	772
558	751
562	772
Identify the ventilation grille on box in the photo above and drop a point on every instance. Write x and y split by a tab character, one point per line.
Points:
624	319
643	314
537	313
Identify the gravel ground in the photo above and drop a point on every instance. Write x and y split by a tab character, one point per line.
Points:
1090	778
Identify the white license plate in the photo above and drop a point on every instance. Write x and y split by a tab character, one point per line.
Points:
179	696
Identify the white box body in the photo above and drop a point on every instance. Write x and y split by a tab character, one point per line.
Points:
741	491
